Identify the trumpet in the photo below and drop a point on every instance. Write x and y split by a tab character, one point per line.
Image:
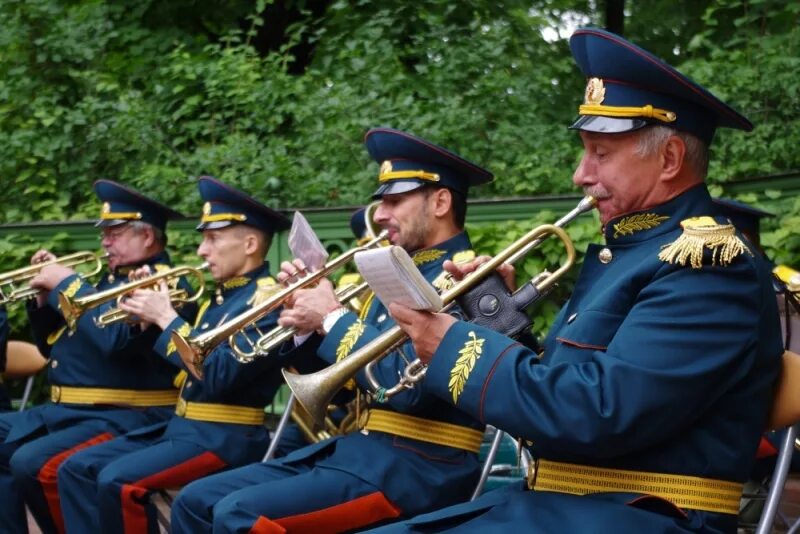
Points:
314	391
197	348
73	308
9	293
280	334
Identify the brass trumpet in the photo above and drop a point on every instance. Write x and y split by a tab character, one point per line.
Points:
278	335
197	348
314	391
9	293
73	308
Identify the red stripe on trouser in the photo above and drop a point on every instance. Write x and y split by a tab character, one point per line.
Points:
134	516
765	449
339	518
49	481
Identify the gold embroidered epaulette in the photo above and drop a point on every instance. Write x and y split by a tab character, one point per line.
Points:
469	355
701	234
445	281
347	343
238	281
265	288
638	223
427	256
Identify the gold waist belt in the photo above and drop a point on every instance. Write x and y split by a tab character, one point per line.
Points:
682	490
408	426
128	397
220	413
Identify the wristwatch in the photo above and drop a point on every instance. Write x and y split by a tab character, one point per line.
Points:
331	317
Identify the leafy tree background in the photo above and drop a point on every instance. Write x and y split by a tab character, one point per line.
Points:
275	96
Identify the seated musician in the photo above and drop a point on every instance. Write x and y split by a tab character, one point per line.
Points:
645	410
344	409
104	381
414	452
219	419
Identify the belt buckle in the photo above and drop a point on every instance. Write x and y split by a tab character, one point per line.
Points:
55	394
180	407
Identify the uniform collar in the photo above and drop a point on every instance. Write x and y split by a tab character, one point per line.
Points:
641	225
236	282
442	251
122	271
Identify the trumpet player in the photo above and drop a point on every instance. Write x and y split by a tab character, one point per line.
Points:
644	412
218	421
416	452
103	382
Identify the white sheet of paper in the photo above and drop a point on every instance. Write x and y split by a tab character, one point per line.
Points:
392	275
305	244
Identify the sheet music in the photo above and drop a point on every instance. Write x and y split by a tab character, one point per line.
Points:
305	244
392	275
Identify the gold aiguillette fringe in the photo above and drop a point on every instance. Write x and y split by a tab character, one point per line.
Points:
700	234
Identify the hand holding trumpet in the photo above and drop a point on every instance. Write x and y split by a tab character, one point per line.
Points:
305	308
49	276
150	305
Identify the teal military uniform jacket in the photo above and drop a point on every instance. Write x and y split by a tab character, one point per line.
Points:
651	366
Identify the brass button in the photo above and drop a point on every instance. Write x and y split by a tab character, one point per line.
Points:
203	326
54	364
571	318
55	393
381	318
188	383
605	255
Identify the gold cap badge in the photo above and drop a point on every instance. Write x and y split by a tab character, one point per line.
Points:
386	167
595	92
207	208
106	208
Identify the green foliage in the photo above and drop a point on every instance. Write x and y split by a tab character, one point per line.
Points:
156	94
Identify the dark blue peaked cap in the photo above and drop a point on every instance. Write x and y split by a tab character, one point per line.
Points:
408	162
629	88
225	205
358	225
744	217
121	204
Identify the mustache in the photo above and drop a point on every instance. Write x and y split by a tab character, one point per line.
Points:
598	193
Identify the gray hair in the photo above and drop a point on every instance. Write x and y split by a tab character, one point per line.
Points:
158	233
652	138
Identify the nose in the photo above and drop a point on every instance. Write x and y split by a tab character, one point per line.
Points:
202	250
381	215
583	174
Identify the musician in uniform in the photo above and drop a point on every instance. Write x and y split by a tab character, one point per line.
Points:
413	452
104	381
644	411
219	419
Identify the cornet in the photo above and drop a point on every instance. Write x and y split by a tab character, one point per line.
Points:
73	308
280	334
197	348
315	391
9	293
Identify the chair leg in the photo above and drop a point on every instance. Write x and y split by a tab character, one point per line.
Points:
778	481
487	463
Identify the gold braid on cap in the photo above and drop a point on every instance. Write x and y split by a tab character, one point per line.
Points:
593	105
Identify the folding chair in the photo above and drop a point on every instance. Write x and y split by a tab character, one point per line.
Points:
23	361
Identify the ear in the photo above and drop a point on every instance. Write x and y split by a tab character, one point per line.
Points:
250	244
149	237
442	202
672	157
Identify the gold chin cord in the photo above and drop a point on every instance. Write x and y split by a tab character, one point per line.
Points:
15	285
314	391
73	308
195	349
